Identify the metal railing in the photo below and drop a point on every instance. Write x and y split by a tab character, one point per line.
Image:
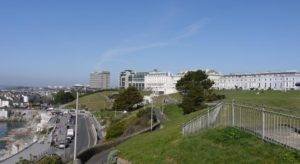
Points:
270	126
209	119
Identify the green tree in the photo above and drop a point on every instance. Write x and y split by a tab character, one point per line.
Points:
62	97
127	99
195	87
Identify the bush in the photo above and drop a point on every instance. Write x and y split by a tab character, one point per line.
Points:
115	130
214	97
143	112
112	157
24	161
54	159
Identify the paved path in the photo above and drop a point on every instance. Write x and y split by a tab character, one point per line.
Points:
100	158
35	149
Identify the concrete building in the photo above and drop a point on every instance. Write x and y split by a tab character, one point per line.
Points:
162	82
268	80
100	80
131	78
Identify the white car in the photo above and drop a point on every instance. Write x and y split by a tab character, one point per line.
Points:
62	145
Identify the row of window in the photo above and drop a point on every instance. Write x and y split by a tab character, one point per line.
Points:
254	80
265	85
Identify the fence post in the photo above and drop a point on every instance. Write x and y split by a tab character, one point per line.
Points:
208	118
232	112
263	123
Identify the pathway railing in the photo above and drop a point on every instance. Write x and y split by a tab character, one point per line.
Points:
203	121
270	126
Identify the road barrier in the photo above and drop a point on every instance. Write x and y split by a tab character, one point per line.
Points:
260	121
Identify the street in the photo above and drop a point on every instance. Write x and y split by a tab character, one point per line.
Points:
86	138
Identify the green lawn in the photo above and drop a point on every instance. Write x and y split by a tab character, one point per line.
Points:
285	102
228	145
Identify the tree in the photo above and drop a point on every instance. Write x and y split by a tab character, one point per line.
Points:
195	87
127	99
62	97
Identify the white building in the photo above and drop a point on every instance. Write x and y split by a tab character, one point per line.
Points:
3	113
25	99
130	78
4	103
162	82
264	81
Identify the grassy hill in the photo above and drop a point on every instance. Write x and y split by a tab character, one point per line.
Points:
95	101
286	102
167	145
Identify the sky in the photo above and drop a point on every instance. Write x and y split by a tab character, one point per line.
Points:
59	42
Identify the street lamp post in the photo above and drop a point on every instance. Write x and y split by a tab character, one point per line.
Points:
76	119
151	115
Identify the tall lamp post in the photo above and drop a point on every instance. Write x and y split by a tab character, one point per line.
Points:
151	114
76	121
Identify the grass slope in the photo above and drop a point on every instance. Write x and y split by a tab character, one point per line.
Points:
228	145
289	102
95	101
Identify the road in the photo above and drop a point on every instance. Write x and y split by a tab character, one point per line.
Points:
85	134
86	138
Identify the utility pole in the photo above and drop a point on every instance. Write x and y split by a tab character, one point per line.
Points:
76	121
151	114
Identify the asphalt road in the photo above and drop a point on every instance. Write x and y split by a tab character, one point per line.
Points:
85	138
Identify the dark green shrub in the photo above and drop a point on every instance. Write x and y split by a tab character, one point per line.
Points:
115	130
53	159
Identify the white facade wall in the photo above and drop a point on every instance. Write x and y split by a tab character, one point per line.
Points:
161	82
264	81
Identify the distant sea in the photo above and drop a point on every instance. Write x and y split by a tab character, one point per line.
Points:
5	128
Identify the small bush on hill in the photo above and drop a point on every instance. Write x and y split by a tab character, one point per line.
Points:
54	159
115	130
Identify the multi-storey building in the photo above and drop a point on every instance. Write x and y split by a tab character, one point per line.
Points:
100	80
268	80
162	82
131	78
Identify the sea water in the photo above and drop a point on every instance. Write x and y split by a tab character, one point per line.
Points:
5	128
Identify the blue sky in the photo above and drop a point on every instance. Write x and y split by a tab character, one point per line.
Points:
59	42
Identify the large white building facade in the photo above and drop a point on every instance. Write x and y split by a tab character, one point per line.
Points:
269	80
162	82
130	78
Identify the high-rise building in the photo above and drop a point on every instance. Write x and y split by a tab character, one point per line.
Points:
130	78
100	80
